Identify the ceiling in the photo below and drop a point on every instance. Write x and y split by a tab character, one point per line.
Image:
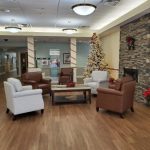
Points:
49	17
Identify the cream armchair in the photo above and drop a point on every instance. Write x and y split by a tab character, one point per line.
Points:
22	99
98	79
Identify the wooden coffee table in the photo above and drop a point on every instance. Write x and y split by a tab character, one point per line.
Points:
78	88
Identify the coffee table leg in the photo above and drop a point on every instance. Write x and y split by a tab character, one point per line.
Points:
52	98
90	96
84	92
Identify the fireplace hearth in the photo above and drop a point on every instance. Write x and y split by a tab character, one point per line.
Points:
131	72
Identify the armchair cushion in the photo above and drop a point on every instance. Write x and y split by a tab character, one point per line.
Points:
42	86
27	87
16	83
86	80
93	84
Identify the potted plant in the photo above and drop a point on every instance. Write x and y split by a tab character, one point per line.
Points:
147	96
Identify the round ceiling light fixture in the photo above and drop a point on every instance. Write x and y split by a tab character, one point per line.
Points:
13	29
83	9
70	30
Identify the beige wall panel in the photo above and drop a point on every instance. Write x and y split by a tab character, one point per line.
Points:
111	46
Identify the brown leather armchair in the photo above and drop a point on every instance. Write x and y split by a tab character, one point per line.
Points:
35	79
66	75
118	98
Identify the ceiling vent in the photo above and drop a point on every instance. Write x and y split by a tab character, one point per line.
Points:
111	2
83	27
24	25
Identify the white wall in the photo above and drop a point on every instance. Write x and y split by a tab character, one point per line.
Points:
111	46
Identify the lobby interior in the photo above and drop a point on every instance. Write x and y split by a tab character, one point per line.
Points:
74	126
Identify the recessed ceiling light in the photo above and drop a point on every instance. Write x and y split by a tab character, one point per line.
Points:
13	29
70	30
84	9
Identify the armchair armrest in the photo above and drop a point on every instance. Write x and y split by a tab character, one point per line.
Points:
109	91
27	87
31	82
104	84
104	81
47	81
112	86
27	93
86	80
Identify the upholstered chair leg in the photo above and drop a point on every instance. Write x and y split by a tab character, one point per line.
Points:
132	109
42	111
14	117
121	115
7	111
97	109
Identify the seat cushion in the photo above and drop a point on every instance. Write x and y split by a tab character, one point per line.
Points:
16	84
42	86
93	84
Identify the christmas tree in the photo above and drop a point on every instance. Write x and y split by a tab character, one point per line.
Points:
95	58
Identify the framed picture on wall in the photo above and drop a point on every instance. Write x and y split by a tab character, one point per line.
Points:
66	58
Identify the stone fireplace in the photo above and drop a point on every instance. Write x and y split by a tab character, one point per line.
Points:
136	62
132	72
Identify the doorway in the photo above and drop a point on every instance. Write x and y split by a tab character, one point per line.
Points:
24	62
54	65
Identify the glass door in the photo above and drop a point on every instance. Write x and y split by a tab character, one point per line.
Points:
54	65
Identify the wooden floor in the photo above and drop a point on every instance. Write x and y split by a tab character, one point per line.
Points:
75	127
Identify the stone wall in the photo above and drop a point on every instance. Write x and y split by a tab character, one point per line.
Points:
139	58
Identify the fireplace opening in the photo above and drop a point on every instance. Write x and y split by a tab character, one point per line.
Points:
131	72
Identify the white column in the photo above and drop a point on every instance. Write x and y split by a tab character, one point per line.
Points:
31	52
73	55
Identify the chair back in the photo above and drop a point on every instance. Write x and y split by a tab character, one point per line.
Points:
66	71
66	75
128	89
35	76
99	76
